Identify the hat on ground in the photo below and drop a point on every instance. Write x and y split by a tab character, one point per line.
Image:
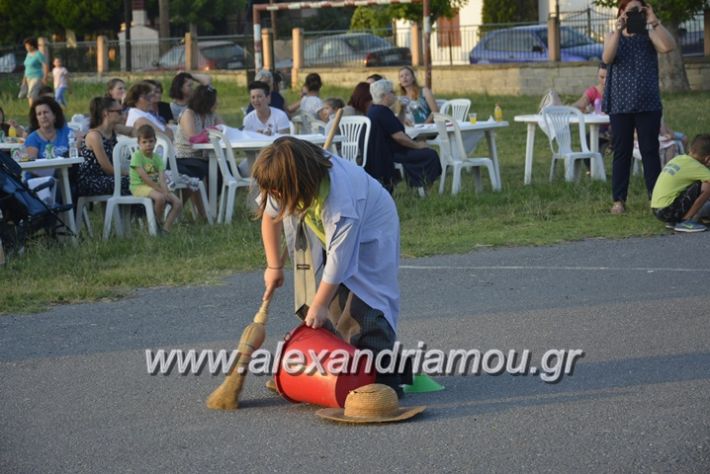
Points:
373	403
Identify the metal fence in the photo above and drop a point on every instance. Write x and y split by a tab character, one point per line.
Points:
582	35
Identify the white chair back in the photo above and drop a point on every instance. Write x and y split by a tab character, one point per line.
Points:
557	120
122	153
457	108
352	128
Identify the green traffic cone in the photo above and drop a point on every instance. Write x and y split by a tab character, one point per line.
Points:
422	383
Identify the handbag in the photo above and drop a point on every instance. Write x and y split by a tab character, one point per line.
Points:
23	90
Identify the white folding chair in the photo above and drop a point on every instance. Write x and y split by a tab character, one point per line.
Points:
232	178
453	156
121	160
165	148
82	214
352	128
456	108
557	119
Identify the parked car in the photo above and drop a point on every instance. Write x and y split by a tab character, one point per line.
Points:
211	55
355	49
529	44
11	62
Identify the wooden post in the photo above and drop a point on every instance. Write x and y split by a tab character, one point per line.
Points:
706	24
267	45
553	38
297	52
190	52
427	43
416	40
101	55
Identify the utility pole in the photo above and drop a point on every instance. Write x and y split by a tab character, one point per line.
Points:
164	14
127	20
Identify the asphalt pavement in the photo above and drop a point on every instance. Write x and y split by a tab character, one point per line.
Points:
76	396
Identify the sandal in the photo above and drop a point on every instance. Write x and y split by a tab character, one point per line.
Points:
618	208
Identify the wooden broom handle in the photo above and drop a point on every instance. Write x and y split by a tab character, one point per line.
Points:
333	129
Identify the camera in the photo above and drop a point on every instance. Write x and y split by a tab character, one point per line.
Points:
636	21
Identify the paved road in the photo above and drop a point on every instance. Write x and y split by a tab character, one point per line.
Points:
76	396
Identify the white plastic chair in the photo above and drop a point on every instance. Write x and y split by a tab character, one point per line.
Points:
453	156
121	160
232	178
165	148
82	214
456	108
352	128
557	119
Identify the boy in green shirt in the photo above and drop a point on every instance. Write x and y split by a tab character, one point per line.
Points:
147	177
683	187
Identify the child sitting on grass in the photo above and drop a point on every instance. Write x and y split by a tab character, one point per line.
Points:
683	187
148	177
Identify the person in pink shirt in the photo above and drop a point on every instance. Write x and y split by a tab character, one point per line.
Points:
587	101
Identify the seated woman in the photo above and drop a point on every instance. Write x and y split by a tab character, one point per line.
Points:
199	115
310	102
51	133
389	144
161	109
181	89
418	103
140	99
264	119
360	100
116	89
96	172
591	101
276	100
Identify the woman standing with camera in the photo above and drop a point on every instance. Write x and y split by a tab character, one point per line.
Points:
632	96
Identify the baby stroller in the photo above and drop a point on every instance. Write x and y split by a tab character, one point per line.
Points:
22	213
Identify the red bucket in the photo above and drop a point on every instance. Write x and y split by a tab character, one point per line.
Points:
319	387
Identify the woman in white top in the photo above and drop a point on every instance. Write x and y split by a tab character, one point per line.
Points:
264	119
310	102
140	102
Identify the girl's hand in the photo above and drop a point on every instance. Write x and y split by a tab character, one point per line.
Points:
317	316
273	278
621	22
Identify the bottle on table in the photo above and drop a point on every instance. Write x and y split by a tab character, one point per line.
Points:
73	150
49	152
598	106
498	113
12	132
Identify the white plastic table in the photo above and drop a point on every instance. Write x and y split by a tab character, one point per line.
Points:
61	164
593	120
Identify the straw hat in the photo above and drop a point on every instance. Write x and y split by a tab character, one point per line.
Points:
374	403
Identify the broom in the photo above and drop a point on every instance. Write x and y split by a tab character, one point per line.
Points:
226	396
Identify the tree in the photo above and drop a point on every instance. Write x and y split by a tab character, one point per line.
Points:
207	15
507	11
374	18
672	13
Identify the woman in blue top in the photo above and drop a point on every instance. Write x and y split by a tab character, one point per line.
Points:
36	69
632	97
419	102
50	127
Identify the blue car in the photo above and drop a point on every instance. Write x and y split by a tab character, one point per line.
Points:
529	44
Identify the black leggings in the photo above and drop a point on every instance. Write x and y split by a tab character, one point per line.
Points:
647	126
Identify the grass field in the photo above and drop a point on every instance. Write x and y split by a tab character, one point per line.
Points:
193	254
